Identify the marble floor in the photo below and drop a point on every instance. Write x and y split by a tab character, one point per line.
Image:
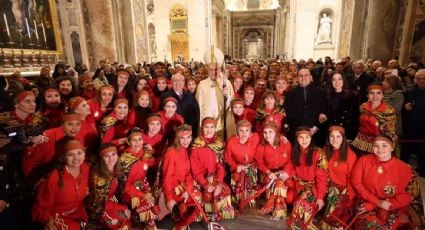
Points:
249	220
246	221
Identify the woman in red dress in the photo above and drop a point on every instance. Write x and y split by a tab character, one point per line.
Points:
80	106
268	111
133	184
122	85
248	98
114	127
101	105
152	137
340	200
170	119
273	159
282	87
104	209
142	108
158	90
376	117
240	156
178	183
311	175
59	202
206	160
383	184
52	107
237	113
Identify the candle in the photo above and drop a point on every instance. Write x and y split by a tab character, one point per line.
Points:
36	31
28	28
44	33
7	27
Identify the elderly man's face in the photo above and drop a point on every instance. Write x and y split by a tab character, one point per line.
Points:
420	80
178	82
358	69
213	71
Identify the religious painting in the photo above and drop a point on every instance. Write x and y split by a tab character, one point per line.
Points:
418	42
29	24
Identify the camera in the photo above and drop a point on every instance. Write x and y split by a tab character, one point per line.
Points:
18	133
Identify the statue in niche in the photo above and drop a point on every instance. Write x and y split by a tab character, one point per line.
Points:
324	33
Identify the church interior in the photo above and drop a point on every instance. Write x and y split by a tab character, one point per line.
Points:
35	34
87	34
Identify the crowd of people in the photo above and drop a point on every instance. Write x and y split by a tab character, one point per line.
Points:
324	145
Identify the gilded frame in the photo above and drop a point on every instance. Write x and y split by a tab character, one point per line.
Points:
52	32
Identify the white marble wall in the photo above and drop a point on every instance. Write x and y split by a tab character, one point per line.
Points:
302	26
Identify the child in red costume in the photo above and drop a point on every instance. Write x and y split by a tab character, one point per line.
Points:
273	159
206	161
311	176
178	181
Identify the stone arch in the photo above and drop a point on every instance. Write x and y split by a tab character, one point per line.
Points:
253	44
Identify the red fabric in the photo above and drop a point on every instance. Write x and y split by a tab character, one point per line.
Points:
176	171
96	111
117	131
136	176
371	186
121	94
204	162
54	116
24	122
156	102
248	114
169	125
67	201
136	121
157	144
368	123
88	94
340	172
114	210
272	116
271	158
44	153
312	173
237	153
253	105
89	132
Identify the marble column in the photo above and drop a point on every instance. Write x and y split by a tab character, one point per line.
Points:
381	27
99	25
346	28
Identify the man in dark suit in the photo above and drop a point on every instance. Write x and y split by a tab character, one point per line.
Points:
359	81
305	105
187	106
